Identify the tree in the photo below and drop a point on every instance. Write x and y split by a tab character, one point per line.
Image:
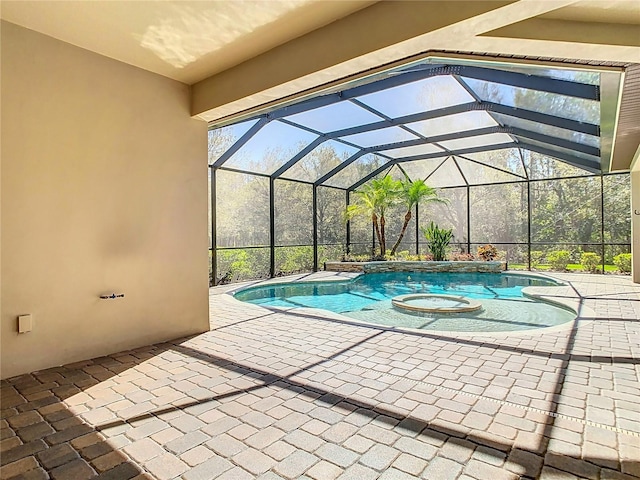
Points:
411	194
373	201
220	140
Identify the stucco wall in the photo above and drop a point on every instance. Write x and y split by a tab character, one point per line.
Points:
104	189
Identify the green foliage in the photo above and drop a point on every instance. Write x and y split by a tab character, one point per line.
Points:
623	262
412	193
536	258
380	194
352	211
328	253
406	256
438	240
487	252
517	266
373	201
238	264
349	257
559	259
291	260
591	261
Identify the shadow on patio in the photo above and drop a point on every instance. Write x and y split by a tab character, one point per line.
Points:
281	395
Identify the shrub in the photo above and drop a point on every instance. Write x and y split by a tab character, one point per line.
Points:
234	265
623	262
346	257
293	260
487	252
462	257
590	261
559	259
406	256
536	258
438	239
349	257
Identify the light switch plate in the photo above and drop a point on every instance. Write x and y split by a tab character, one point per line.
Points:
25	323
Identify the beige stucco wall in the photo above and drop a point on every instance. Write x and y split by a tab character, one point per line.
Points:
104	189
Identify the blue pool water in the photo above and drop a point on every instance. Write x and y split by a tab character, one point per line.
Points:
368	298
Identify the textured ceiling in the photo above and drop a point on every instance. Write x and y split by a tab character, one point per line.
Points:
598	11
183	40
242	55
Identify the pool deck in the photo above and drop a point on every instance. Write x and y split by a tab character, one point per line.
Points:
302	394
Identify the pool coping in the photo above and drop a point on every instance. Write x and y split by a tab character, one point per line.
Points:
400	301
557	298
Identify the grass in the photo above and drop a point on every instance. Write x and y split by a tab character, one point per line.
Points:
572	267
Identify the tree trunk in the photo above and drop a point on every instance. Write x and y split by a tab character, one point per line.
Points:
407	219
383	242
374	219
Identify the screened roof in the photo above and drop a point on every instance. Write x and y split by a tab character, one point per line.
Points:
452	124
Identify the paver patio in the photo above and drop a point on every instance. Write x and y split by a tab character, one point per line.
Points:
288	394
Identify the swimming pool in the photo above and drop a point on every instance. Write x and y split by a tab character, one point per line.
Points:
368	298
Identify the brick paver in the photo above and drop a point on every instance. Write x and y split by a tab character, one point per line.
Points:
301	394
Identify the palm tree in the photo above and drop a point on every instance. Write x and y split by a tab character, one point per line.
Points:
373	201
412	193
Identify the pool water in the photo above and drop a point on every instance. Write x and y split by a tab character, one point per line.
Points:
368	298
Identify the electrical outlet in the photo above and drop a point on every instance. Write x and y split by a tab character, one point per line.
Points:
25	323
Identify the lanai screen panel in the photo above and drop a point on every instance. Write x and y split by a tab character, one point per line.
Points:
361	167
242	227
293	226
446	175
337	116
330	205
320	161
270	148
508	160
476	173
473	130
424	149
452	214
361	235
332	232
421	169
242	210
566	211
552	131
541	167
429	94
425	111
394	221
458	122
581	109
616	215
293	213
476	141
221	139
241	264
382	136
499	213
507	252
559	150
581	76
